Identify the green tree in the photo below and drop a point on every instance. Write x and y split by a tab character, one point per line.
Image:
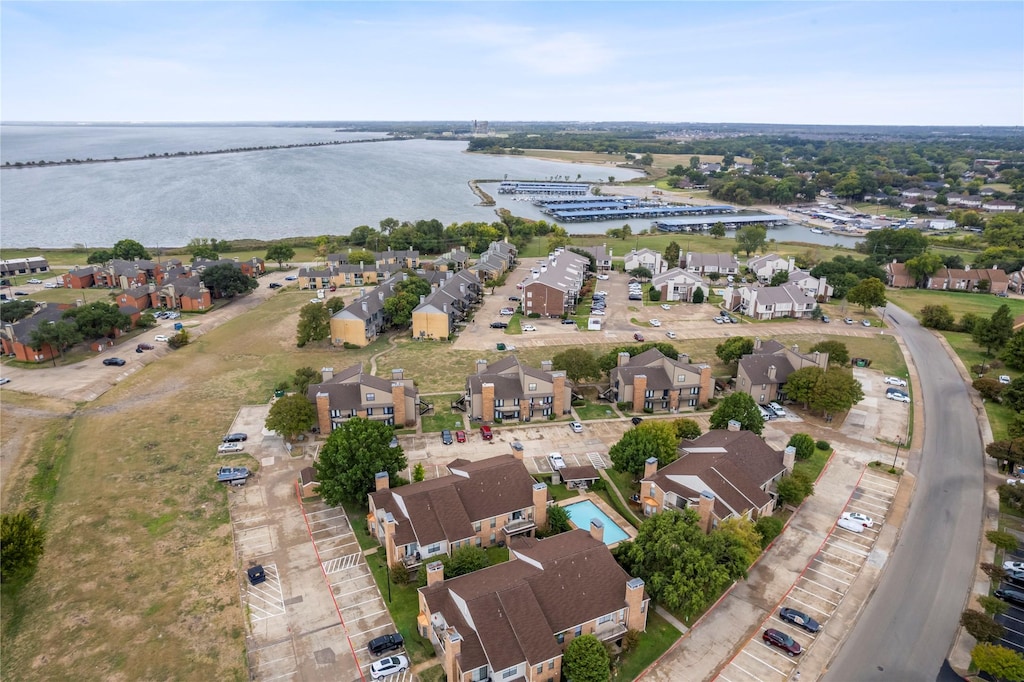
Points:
740	407
924	266
59	336
12	311
399	308
742	532
993	606
97	320
353	455
694	162
981	626
836	391
314	323
21	546
686	429
334	304
734	348
672	254
717	230
937	317
769	528
304	376
586	660
698	295
1013	395
419	474
751	238
838	354
1000	662
291	415
1011	451
650	439
869	293
558	520
279	253
995	332
227	281
578	363
883	246
463	560
801	384
804	445
99	257
179	340
1013	351
129	249
779	278
559	238
793	489
641	273
201	248
849	186
1002	540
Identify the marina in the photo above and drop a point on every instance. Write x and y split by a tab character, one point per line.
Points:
731	222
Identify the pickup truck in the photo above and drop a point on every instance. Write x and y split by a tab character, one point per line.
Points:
232	474
384	643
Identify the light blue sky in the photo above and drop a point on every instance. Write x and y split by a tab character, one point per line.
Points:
920	63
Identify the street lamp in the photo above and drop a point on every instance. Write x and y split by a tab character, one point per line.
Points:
899	442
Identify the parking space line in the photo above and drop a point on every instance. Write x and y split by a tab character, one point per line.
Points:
367	615
815	582
745	671
817	596
724	677
813	608
830	577
348	580
339	563
875	505
1017	620
823	564
281	677
767	647
352	606
856	549
836	556
881	482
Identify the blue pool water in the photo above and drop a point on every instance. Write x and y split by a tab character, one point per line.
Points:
581	513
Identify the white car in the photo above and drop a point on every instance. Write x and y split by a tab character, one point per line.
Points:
862	519
388	666
777	409
603	277
666	306
556	461
597	312
51	285
654	323
576	427
600	293
507	311
850	525
670	335
529	328
4	380
895	381
230	447
316	300
1004	378
35	281
162	337
898	396
1013	565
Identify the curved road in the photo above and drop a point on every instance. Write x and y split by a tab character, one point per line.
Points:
909	624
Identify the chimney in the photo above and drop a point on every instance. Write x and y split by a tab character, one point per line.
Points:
546	365
771	371
650	467
540	502
789	458
636	618
792	264
323	412
380	296
327	373
795	348
733	425
363	305
435	573
481	366
381	481
452	653
757	343
597	530
422	298
706	509
623	359
397	374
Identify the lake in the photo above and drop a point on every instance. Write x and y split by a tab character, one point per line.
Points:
263	194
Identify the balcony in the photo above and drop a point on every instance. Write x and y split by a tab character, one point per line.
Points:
610	631
518	526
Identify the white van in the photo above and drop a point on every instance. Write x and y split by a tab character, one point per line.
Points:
765	414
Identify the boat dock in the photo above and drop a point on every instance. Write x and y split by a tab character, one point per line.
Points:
731	222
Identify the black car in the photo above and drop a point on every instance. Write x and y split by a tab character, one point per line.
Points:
1015	578
499	325
236	438
379	645
568	321
800	619
115	362
1012	596
446	437
275	285
513	298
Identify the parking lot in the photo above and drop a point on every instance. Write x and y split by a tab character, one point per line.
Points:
1013	619
821	586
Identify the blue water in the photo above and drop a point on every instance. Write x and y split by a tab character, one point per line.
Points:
581	513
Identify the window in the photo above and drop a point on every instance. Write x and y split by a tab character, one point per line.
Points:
389	410
649	394
370	397
551	663
494	522
531	387
606	619
681	379
692	402
369	411
434	549
540	668
511	672
499	402
476	526
695	390
578	631
560	638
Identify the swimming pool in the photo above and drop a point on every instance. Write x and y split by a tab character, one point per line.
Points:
581	513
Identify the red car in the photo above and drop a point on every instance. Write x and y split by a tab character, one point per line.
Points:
638	336
486	433
783	641
460	436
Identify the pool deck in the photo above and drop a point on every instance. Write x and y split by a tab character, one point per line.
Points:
622	523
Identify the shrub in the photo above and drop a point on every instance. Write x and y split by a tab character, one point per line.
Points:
967	323
804	445
654	294
1003	540
981	626
823	445
533	316
793	489
992	605
599	485
399	573
768	527
350	346
1012	496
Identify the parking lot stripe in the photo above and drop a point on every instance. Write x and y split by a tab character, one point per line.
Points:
813	608
290	675
720	675
769	648
851	548
815	582
359	603
836	556
873	505
816	596
830	577
822	563
881	481
744	670
1017	620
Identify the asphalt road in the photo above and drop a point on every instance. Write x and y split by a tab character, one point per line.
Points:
909	624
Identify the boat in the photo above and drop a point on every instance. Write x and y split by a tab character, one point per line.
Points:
817	230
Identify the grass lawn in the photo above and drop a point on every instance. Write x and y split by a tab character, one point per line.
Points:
814	465
596	410
443	417
958	302
660	635
999	416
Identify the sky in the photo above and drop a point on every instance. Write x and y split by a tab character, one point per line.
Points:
841	63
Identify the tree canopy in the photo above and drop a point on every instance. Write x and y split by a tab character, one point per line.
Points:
97	320
869	293
279	253
226	280
740	407
888	244
998	661
291	415
314	324
12	311
838	354
21	546
650	439
353	455
751	238
129	249
578	363
994	332
586	660
733	348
